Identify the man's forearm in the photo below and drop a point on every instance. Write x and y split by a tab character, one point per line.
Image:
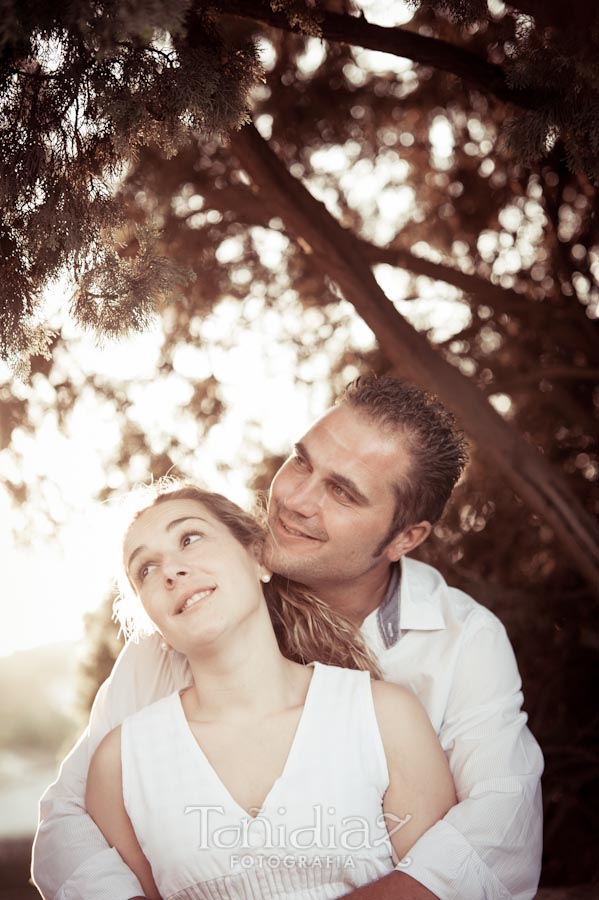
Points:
395	886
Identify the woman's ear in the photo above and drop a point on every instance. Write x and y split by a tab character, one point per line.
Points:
264	573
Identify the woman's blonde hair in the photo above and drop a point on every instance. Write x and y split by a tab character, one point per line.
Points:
306	628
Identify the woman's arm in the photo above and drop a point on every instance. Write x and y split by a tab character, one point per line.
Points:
420	788
104	802
70	857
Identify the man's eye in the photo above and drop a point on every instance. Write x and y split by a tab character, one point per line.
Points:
190	538
299	461
341	493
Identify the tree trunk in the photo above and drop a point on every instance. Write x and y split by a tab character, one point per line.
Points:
337	253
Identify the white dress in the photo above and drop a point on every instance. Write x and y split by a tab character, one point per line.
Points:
320	832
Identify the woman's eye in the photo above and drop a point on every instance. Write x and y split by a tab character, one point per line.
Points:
191	538
144	571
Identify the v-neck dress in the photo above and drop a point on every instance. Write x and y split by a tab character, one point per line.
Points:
320	832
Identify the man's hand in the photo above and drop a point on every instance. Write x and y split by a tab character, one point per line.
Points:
395	886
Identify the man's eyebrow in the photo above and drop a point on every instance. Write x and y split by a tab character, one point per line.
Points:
351	486
170	525
342	480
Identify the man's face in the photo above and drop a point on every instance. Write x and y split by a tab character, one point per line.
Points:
332	502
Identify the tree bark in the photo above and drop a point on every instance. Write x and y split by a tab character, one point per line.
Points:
337	253
355	30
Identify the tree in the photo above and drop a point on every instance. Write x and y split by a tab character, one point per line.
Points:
121	85
404	174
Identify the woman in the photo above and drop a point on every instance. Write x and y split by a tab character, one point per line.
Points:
268	776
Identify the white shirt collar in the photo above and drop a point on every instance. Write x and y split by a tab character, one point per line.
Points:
420	597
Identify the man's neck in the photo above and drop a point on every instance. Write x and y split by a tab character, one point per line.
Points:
356	599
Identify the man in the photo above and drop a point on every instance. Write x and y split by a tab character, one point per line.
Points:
363	488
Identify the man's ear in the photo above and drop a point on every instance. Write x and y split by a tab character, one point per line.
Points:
407	540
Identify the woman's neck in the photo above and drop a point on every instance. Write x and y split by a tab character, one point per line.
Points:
242	676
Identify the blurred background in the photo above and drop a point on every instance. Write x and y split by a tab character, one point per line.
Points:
494	263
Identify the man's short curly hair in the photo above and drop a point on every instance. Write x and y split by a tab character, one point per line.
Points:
436	446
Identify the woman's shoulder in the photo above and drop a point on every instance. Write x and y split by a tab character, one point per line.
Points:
106	759
394	701
107	754
392	698
152	716
341	673
401	718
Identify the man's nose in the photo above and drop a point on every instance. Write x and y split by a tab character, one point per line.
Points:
303	499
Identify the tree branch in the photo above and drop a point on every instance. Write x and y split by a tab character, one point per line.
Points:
551	373
336	253
499	298
427	51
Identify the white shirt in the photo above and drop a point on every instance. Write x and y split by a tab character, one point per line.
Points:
454	654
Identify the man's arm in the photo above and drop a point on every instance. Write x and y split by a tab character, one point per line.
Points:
488	847
396	886
71	859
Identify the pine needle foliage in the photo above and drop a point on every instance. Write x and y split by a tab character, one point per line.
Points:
300	14
466	12
556	56
565	64
83	86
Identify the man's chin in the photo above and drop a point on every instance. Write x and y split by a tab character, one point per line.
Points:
284	563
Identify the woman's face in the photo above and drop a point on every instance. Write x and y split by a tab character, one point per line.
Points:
194	579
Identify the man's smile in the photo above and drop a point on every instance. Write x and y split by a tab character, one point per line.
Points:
288	530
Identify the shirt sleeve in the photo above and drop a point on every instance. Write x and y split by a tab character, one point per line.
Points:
488	847
71	859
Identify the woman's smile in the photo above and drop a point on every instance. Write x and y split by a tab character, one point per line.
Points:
191	600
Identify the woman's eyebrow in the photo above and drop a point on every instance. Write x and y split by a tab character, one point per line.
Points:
184	519
170	525
135	553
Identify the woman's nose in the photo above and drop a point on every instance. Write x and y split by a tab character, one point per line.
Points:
174	570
